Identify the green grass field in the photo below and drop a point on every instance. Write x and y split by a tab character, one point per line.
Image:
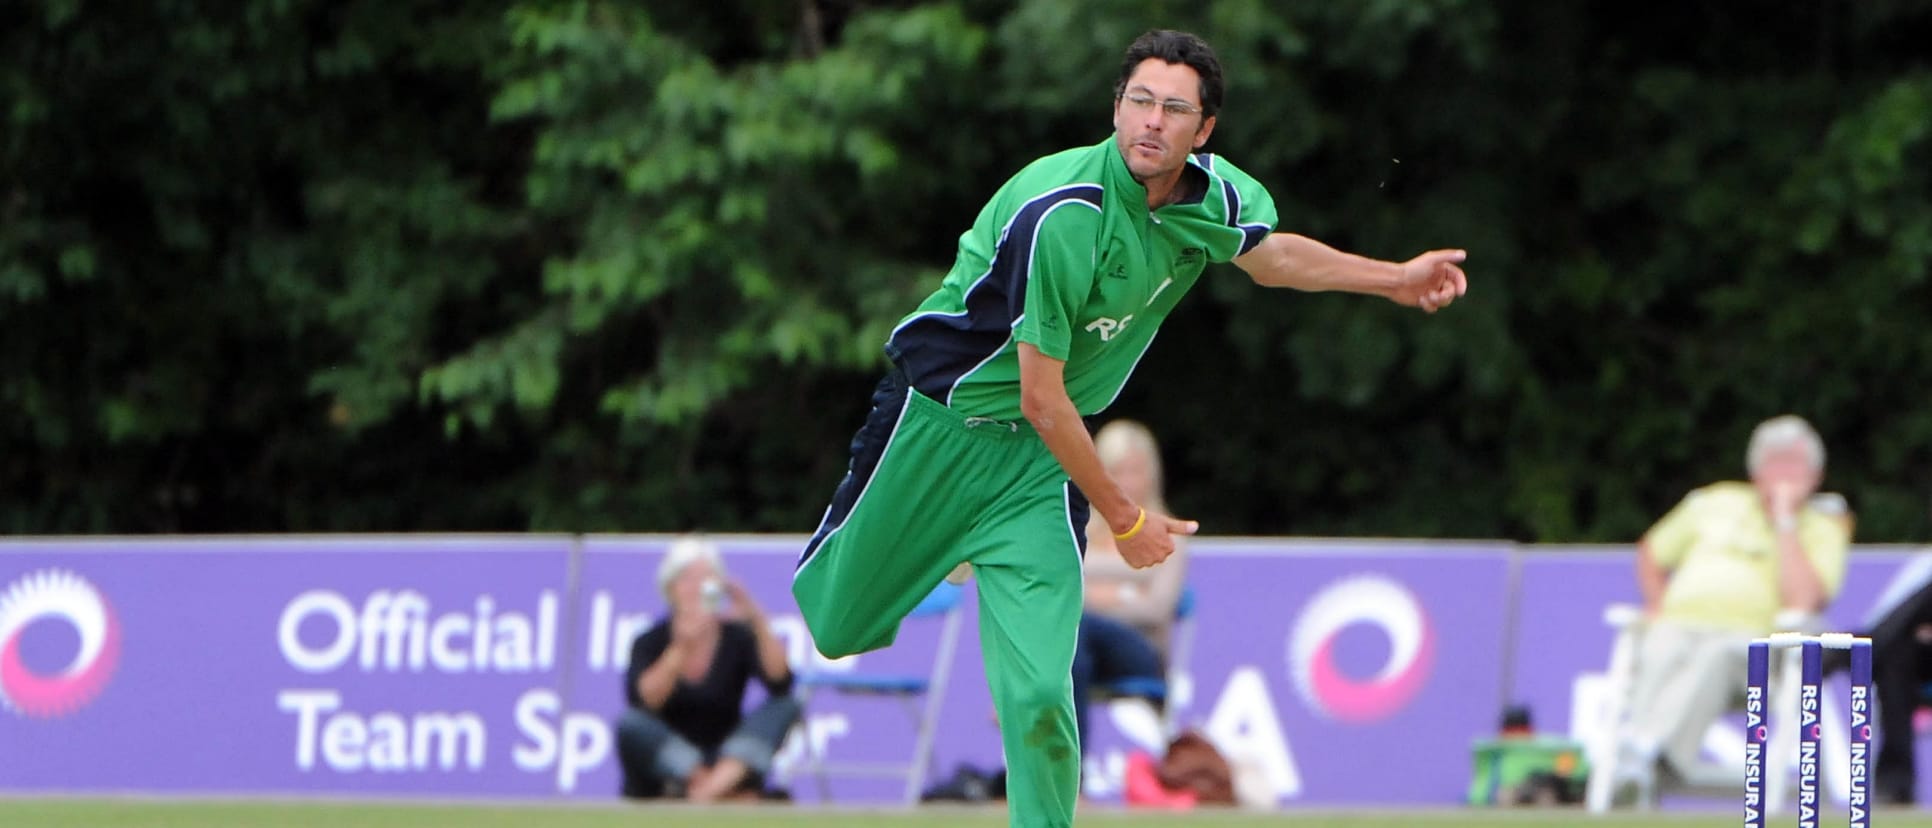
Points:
141	813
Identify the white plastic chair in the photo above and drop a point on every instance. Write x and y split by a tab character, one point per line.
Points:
1613	765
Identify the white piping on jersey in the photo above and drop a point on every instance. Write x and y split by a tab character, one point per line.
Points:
1066	503
1032	258
1157	291
982	363
1001	242
818	551
1131	369
1231	202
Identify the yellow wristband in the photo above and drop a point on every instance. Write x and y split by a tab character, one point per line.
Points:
1138	523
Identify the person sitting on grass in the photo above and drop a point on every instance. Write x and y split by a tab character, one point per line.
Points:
684	734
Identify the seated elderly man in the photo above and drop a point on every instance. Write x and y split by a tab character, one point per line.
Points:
684	733
1719	569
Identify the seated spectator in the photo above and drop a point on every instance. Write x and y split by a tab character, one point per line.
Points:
1719	569
1129	614
685	734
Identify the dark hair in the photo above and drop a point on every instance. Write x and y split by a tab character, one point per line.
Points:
1176	47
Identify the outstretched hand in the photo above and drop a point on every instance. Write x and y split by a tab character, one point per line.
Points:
1432	280
1154	542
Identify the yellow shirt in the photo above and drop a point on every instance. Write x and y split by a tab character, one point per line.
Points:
1723	557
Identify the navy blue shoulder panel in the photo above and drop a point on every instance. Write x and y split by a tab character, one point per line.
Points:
936	349
1251	234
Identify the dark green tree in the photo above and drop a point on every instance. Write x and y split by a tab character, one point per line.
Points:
595	265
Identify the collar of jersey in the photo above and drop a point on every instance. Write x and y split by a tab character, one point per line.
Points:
1119	175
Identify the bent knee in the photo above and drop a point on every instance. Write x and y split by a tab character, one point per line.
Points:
1040	700
637	723
842	640
785	707
839	646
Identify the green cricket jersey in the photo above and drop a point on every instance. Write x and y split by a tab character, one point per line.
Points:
1067	257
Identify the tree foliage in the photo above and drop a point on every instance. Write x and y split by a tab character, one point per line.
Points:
286	265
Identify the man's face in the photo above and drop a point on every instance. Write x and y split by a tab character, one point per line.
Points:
1158	120
1786	466
687	589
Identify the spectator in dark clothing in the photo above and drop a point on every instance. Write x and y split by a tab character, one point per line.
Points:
685	733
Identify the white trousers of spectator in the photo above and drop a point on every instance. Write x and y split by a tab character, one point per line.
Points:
1684	679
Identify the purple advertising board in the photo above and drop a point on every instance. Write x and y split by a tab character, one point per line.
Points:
487	665
482	665
366	665
1326	666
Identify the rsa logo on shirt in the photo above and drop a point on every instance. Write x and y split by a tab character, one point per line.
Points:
1109	328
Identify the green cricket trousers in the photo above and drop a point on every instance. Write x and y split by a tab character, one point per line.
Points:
927	490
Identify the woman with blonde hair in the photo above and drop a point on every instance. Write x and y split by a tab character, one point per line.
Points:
1129	613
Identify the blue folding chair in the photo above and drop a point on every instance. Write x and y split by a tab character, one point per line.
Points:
1156	690
943	606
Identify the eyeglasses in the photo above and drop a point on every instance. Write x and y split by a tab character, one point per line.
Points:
1171	107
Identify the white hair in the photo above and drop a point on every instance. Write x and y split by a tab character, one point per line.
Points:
1778	433
684	552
